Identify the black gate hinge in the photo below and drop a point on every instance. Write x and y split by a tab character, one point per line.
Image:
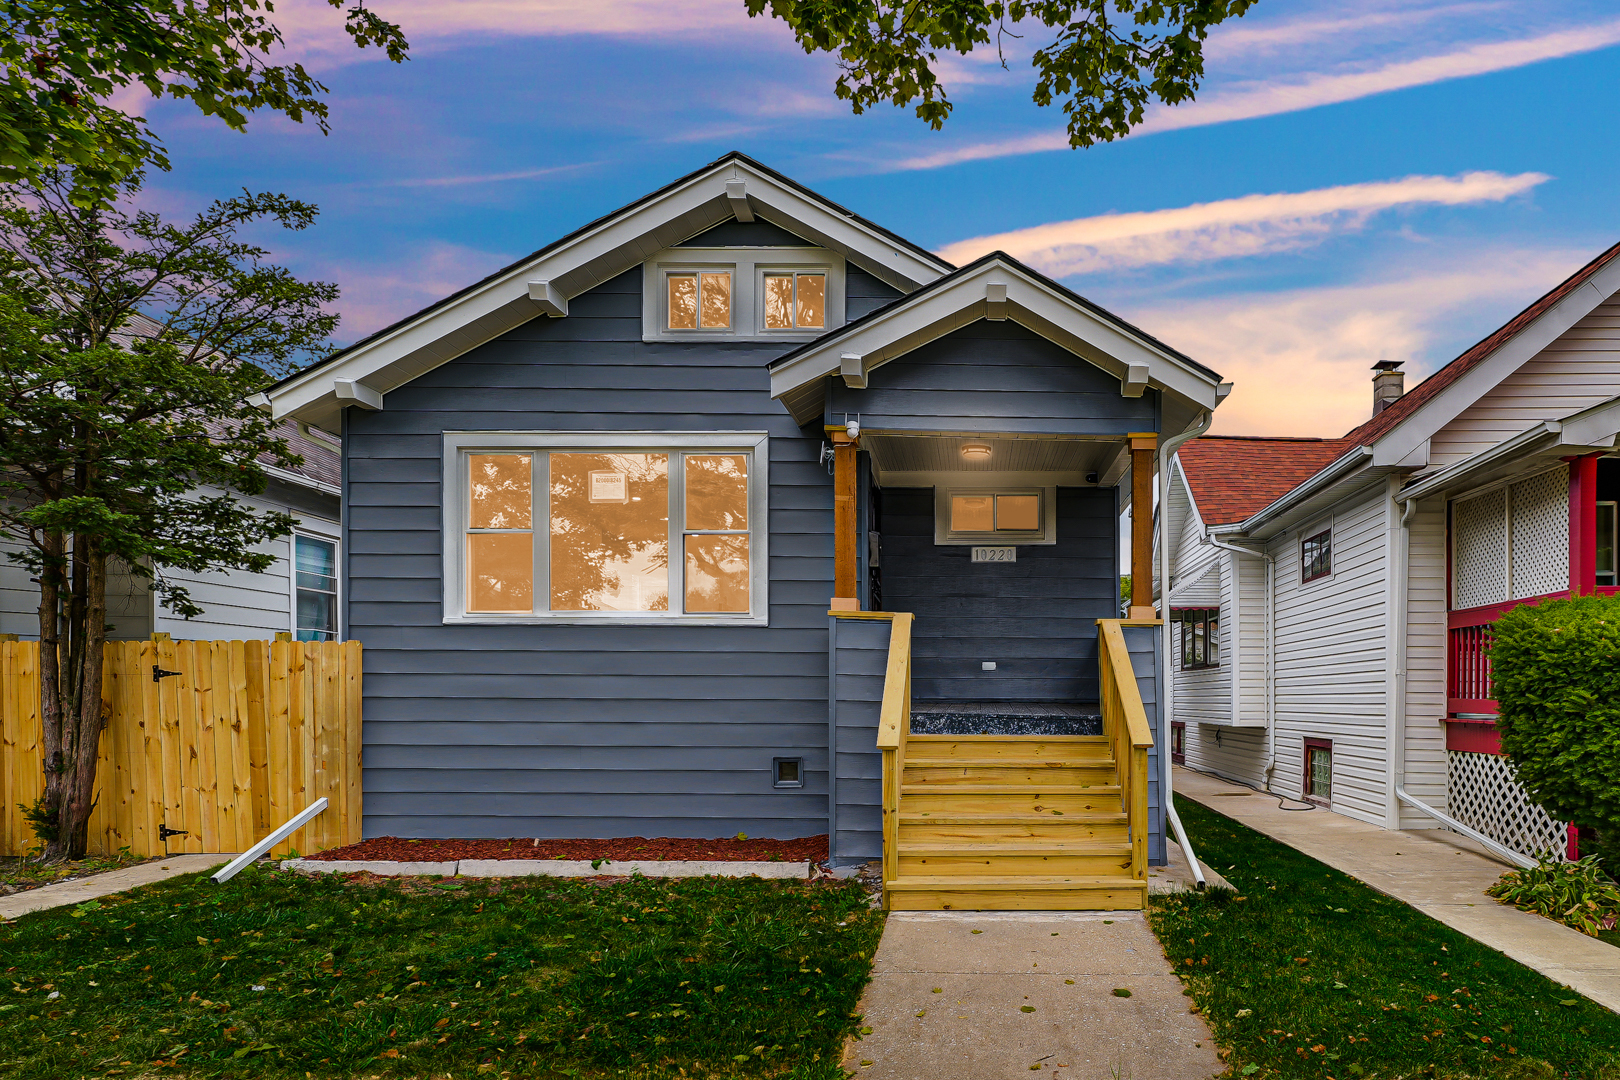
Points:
158	674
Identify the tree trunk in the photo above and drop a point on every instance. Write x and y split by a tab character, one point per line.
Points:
50	680
84	747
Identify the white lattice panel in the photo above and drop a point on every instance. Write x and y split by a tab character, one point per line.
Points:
1540	550
1483	794
1479	550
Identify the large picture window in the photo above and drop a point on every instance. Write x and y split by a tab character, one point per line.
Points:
1200	637
602	526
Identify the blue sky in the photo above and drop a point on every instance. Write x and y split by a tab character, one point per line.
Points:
1356	181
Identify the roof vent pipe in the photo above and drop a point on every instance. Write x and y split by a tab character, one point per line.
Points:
1389	383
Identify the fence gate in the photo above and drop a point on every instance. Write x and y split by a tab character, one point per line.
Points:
218	741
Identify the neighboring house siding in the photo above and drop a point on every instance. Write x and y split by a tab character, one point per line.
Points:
1248	626
1578	370
536	730
1331	657
860	655
1426	638
240	605
1036	618
993	376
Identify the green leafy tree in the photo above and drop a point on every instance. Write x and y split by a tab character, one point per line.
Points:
129	349
61	60
1553	666
1108	60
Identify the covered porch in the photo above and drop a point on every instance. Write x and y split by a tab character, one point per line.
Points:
994	711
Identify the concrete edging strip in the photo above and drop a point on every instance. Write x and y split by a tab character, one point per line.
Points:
493	868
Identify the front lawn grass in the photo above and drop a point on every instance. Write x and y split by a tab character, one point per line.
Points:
280	975
1306	972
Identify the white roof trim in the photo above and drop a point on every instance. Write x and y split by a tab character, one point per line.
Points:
1409	435
1030	302
615	245
1591	429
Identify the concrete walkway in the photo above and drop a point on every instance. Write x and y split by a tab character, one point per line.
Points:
950	990
1440	873
113	881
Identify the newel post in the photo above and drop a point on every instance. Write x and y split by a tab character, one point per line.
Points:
1143	446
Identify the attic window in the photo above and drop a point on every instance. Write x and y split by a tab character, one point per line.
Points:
795	301
700	301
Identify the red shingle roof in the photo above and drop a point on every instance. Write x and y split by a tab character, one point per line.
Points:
1233	476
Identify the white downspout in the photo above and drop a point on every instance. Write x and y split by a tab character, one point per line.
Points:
1401	541
1166	679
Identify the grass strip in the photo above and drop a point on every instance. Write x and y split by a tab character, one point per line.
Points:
1307	972
282	975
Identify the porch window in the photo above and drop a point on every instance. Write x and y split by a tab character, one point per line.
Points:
584	528
1318	785
315	589
1316	556
1607	537
1011	516
796	301
1200	637
699	300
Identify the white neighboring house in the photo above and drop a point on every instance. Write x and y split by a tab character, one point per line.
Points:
1333	598
298	594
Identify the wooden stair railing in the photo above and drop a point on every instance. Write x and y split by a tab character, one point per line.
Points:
894	726
1126	729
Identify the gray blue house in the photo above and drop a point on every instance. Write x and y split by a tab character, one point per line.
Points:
621	519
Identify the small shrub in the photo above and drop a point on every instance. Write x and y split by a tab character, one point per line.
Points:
1577	894
1553	666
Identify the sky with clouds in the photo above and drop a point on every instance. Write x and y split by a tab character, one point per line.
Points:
1377	180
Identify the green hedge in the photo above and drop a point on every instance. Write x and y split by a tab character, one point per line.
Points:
1556	668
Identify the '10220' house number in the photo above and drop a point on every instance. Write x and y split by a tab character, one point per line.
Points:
995	554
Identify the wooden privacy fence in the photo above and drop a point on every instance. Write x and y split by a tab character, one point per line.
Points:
223	740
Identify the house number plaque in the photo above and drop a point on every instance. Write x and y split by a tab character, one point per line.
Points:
995	554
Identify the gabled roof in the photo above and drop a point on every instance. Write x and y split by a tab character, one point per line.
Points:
994	286
1269	475
733	186
1425	391
1234	476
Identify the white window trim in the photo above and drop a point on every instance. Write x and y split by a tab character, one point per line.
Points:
1046	534
314	533
748	266
458	444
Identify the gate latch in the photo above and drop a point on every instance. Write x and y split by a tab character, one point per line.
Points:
158	674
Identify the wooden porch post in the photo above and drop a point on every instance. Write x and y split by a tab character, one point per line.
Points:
1143	445
846	595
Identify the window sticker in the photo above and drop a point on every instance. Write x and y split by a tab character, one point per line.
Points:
609	487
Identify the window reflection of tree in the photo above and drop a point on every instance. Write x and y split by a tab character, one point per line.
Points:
717	577
597	547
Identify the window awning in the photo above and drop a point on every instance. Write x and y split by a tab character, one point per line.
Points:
1203	590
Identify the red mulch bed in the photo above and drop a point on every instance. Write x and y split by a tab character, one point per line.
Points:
621	849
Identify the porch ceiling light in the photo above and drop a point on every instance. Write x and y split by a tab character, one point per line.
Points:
976	451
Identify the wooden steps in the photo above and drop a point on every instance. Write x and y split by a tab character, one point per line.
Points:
1012	823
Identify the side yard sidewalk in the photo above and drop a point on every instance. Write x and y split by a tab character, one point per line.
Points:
79	890
1439	873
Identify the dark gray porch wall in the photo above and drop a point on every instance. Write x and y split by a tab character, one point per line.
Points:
582	730
1036	618
1144	644
992	377
860	654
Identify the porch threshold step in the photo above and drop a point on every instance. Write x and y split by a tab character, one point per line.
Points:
1038	790
1007	763
1096	740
